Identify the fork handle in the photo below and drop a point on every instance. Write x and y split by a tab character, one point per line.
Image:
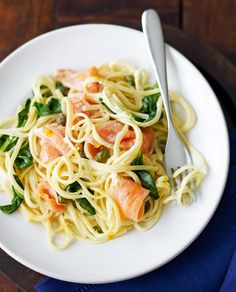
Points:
154	37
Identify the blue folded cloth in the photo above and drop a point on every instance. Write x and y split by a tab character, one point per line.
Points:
209	264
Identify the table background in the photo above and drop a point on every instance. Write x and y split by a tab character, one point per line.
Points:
208	22
211	21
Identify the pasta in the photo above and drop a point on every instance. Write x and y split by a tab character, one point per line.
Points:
84	155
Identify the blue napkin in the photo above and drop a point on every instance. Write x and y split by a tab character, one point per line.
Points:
209	264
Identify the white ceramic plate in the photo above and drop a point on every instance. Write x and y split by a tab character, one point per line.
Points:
134	253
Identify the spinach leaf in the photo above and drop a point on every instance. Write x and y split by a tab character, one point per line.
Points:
18	181
135	117
149	106
64	89
84	203
149	103
98	229
23	114
45	91
24	158
53	106
138	160
62	200
146	206
15	204
16	200
103	103
74	187
147	182
162	145
145	177
20	184
7	142
81	151
102	155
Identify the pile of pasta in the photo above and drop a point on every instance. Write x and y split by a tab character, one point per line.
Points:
84	155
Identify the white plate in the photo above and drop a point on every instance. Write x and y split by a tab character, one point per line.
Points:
135	253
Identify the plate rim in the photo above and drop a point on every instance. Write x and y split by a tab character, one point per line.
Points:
227	158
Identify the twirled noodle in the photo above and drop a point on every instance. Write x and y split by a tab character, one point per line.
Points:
119	100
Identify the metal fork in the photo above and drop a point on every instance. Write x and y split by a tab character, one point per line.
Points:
176	154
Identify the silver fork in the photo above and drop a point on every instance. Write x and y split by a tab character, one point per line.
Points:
176	154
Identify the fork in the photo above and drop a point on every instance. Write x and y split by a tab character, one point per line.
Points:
176	153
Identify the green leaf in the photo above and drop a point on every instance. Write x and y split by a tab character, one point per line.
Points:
15	204
53	106
147	182
146	206
62	200
149	106
20	184
162	145
74	187
136	117
16	200
138	160
82	154
130	79
45	91
7	142
103	103
98	229
84	203
145	177
64	89
23	114
102	155
24	158
3	139
151	87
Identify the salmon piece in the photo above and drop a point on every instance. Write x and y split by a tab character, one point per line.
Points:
80	100
52	142
75	79
94	87
126	144
49	152
109	131
49	196
67	77
93	71
76	120
93	150
93	147
77	103
130	197
148	139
